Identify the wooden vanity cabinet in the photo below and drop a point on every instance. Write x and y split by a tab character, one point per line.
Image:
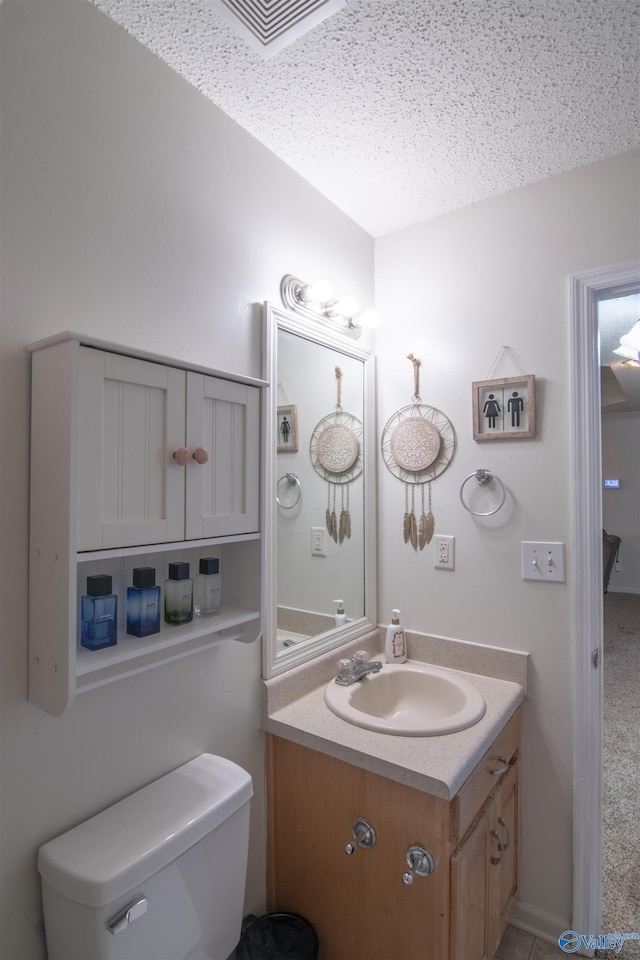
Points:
484	875
359	905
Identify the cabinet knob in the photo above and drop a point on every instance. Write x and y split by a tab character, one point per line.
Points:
420	862
363	834
200	455
181	456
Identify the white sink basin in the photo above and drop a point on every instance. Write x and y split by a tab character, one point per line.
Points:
410	699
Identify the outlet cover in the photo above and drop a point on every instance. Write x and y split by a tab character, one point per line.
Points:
445	558
542	560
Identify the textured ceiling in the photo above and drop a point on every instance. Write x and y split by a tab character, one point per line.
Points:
401	110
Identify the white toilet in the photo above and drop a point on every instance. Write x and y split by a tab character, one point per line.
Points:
158	876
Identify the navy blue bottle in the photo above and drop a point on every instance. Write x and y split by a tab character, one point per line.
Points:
98	614
143	603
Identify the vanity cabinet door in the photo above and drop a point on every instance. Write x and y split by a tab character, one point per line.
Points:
484	874
470	893
503	869
222	493
358	904
131	418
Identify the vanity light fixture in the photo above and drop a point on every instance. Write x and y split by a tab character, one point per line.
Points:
630	344
316	302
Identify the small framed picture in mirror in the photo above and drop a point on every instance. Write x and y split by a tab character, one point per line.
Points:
504	409
287	429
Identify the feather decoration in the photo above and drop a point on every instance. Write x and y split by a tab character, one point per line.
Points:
413	532
427	523
427	526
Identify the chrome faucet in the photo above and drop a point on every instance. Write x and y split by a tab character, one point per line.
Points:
350	671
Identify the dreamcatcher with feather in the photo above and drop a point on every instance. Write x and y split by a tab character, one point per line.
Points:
418	444
336	455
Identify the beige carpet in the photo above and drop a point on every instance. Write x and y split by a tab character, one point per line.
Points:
621	751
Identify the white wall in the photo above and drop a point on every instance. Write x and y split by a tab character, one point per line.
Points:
621	508
452	291
134	210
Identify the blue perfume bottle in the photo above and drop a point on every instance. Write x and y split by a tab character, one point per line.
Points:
98	614
143	603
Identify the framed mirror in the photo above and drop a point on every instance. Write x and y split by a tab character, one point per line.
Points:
319	543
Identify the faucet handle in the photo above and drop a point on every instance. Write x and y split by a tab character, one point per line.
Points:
345	668
361	656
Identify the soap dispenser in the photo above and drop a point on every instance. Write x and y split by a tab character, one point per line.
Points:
395	648
341	616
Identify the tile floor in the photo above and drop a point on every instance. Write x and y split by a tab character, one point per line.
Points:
518	945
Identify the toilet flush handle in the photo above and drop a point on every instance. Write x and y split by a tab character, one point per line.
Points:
130	913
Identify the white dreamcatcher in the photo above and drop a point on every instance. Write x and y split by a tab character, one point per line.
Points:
418	444
336	455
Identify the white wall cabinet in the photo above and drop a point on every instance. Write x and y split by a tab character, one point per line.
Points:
135	461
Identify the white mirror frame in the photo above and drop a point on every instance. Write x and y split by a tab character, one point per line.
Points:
275	319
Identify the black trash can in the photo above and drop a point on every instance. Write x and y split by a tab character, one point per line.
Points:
277	936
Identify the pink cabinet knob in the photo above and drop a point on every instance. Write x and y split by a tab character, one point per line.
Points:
181	456
200	455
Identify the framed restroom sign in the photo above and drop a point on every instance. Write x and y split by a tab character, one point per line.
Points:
504	409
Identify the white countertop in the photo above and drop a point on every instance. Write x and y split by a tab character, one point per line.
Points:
436	765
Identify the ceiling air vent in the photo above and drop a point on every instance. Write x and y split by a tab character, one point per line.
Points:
270	25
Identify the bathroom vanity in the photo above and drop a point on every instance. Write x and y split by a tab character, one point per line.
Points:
456	796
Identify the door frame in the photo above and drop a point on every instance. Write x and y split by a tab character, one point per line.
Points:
587	288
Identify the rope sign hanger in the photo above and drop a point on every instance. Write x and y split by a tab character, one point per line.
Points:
336	456
418	444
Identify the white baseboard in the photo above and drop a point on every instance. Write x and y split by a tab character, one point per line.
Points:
613	589
532	920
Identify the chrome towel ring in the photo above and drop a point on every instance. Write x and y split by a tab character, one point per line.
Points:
292	481
483	477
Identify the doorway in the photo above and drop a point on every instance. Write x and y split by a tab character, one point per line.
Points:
587	289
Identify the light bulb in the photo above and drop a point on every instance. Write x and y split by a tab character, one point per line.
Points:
370	319
318	292
346	307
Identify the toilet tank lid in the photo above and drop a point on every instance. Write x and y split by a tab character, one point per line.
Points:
130	841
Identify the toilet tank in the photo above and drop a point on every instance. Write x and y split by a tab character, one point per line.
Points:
177	848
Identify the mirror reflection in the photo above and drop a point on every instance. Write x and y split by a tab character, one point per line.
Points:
319	523
320	501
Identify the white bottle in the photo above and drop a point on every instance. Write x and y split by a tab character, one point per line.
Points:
341	616
395	647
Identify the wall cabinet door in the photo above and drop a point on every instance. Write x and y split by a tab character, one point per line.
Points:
133	416
222	494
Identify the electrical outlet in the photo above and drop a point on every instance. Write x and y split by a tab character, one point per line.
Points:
542	561
445	553
317	542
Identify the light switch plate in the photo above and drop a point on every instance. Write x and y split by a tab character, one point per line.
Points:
542	560
317	542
